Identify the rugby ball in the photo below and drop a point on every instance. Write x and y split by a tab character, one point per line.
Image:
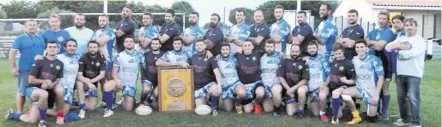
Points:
143	110
203	110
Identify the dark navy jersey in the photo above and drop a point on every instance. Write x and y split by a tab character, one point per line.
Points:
91	66
128	27
216	36
355	32
202	69
293	71
262	30
47	70
172	31
306	31
248	66
150	71
338	69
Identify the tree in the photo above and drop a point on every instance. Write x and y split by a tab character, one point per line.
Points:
182	7
3	14
66	21
249	15
21	9
157	19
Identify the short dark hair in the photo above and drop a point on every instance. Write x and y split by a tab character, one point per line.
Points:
386	13
70	39
195	13
51	42
128	36
279	6
128	7
215	14
411	20
353	11
328	6
92	42
225	44
361	41
103	15
148	13
303	12
270	41
337	47
178	38
156	39
312	42
171	11
240	10
200	40
399	17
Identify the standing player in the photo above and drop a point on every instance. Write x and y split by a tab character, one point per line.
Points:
55	33
174	57
191	34
126	27
239	33
369	80
319	69
29	45
411	55
376	40
169	31
146	33
280	30
303	33
127	64
249	75
270	62
341	76
149	78
230	81
70	69
90	73
350	34
80	33
214	36
293	74
208	77
327	31
260	31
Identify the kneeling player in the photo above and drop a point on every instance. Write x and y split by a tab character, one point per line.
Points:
149	79
175	57
293	75
341	76
318	70
207	77
90	73
270	62
369	80
44	77
127	64
230	81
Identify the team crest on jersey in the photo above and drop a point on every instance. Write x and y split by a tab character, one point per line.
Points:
247	57
294	64
341	68
155	58
60	39
97	64
205	59
51	65
378	36
253	58
299	67
336	65
57	67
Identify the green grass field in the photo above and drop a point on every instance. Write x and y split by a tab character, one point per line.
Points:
430	109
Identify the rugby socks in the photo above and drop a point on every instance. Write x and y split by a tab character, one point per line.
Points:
83	106
300	111
108	98
60	114
214	101
385	103
143	98
15	115
71	117
42	113
336	103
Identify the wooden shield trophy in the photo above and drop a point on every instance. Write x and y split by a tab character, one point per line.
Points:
176	92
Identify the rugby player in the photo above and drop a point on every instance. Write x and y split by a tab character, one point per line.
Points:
239	32
126	27
303	33
146	33
55	33
280	30
326	32
80	33
169	31
214	35
350	34
175	57
149	78
259	31
192	34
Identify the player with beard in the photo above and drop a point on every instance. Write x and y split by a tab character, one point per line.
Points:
230	81
55	33
342	75
326	32
169	31
146	33
319	69
174	57
149	78
259	31
351	34
249	74
303	33
270	62
208	77
80	33
192	34
127	64
398	25
90	73
239	32
214	36
70	62
280	30
126	27
45	74
293	74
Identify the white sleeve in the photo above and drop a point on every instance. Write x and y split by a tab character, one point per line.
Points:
417	48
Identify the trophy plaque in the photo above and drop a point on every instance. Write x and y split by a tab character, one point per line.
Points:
175	89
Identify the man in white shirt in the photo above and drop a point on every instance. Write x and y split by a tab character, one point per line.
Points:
80	33
410	63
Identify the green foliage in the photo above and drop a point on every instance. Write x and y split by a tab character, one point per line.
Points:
3	13
21	9
66	21
249	15
182	7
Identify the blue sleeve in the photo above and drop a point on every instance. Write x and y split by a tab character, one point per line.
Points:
372	35
17	43
388	36
197	34
163	58
326	66
152	33
68	36
116	61
244	33
327	31
284	30
377	65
